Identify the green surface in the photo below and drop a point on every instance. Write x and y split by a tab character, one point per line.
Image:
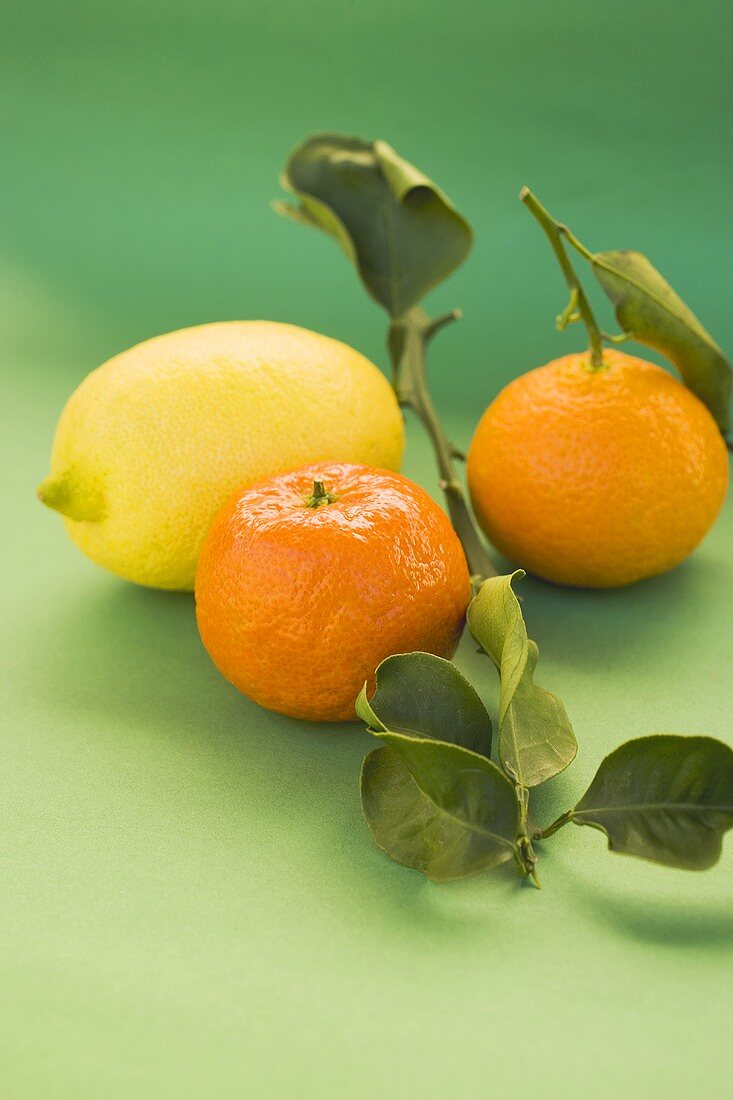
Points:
191	904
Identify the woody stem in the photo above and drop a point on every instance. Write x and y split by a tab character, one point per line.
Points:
409	338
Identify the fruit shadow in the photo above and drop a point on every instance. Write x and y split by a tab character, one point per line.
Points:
136	654
132	659
585	626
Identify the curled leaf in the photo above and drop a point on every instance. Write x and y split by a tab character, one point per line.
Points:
536	740
649	309
664	798
426	696
401	232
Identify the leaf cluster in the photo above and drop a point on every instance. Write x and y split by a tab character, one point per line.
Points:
435	800
404	236
442	794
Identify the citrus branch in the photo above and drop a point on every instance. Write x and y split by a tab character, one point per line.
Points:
408	341
525	856
563	819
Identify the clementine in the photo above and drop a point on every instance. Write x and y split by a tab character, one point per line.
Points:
307	580
597	477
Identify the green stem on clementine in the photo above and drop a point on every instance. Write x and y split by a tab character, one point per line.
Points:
319	496
555	232
409	337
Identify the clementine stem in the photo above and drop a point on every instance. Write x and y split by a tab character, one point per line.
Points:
319	496
555	232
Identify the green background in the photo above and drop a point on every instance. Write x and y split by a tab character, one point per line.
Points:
191	904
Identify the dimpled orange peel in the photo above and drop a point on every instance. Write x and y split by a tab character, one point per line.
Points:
309	579
597	476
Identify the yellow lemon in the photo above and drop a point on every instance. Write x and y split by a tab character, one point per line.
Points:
152	443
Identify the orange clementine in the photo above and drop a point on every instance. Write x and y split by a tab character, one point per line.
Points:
309	579
597	477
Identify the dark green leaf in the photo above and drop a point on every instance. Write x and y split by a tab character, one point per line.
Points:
401	232
664	798
426	696
431	800
536	740
437	807
648	308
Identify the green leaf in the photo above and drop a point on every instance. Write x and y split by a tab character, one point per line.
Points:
664	798
440	808
648	308
536	740
431	797
426	696
400	231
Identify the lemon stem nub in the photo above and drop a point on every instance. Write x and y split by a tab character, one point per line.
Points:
54	493
319	496
65	494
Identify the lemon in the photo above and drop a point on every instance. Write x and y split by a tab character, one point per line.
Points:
153	442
